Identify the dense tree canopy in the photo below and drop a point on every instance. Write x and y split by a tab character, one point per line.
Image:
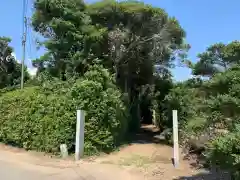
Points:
10	69
217	58
129	38
68	31
106	30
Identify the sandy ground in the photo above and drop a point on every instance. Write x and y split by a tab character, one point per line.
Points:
18	164
136	161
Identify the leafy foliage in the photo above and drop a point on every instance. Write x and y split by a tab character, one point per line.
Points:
224	151
10	69
217	58
214	123
181	97
128	38
140	36
69	32
209	108
113	59
42	118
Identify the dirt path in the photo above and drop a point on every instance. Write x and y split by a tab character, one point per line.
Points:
134	162
32	164
153	161
140	160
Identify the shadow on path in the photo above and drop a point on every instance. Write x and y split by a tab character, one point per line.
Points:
212	175
148	134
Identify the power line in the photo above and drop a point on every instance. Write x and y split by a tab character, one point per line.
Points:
30	40
24	38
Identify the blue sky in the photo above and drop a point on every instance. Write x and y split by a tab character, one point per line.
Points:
205	22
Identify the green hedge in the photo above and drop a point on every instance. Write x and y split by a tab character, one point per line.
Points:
41	118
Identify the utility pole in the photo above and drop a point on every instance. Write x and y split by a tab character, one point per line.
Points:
24	38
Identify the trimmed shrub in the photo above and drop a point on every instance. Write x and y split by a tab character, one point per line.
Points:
42	118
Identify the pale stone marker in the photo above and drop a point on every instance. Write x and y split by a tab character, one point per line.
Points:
175	139
79	145
64	150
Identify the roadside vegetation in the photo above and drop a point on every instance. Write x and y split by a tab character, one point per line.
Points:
114	60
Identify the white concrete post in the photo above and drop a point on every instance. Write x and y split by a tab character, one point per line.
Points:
175	139
154	118
79	146
64	150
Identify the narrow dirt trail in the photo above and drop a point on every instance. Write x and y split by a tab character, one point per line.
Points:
152	160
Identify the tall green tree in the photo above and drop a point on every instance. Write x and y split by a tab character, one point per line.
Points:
140	36
129	38
217	58
10	69
69	36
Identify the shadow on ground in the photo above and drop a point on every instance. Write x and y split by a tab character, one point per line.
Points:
148	134
212	175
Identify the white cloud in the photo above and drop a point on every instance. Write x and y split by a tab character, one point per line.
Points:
14	55
32	71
